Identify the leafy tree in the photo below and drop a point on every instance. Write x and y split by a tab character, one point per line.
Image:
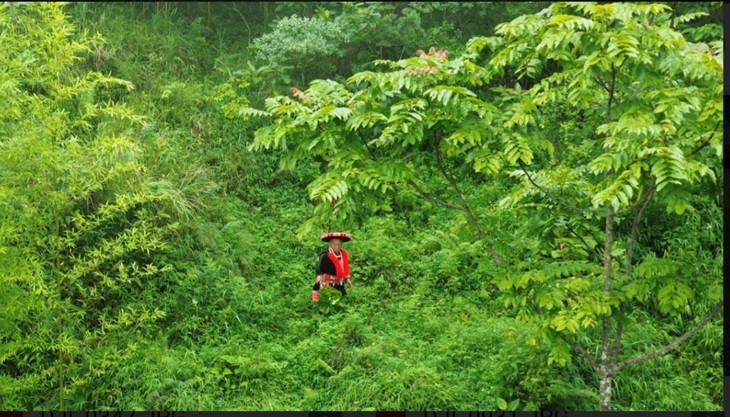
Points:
418	111
651	100
647	103
308	42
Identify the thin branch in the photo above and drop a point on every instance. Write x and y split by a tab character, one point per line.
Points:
452	181
611	91
584	353
616	345
623	62
244	20
635	230
603	84
707	142
607	285
675	343
607	251
467	210
549	195
432	198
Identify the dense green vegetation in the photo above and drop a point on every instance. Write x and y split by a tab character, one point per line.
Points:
534	191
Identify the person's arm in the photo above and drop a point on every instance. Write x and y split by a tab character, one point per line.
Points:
348	280
322	282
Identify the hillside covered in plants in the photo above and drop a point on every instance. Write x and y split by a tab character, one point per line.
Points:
534	191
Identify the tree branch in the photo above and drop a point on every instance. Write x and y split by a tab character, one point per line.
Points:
603	84
635	228
675	343
454	186
605	350
244	20
616	344
707	142
611	91
432	198
467	210
555	200
584	353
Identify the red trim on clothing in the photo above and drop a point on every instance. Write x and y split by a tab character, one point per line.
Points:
343	269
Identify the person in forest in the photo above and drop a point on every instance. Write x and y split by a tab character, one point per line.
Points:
333	265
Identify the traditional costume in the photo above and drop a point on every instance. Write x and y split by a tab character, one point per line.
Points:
332	268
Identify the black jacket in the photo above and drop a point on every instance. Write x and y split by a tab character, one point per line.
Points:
325	265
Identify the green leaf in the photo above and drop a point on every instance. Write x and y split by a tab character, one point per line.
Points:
501	403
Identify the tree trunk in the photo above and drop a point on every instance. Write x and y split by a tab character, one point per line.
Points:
608	361
604	390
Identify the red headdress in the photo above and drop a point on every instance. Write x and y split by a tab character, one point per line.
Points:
344	237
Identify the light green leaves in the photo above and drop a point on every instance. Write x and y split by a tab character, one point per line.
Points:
674	296
620	192
560	353
444	93
330	190
563	321
518	149
301	37
669	166
247	112
487	162
571	22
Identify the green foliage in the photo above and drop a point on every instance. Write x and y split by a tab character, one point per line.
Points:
89	221
148	259
309	42
646	95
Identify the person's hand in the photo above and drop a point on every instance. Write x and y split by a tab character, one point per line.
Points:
349	282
